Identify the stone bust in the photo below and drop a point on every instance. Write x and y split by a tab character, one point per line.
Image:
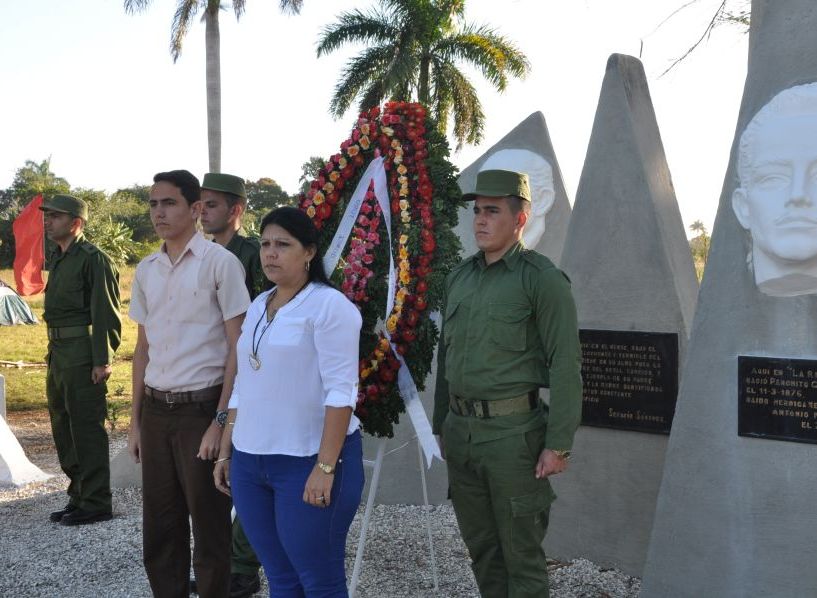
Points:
540	174
776	199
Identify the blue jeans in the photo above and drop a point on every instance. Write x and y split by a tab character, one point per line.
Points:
301	547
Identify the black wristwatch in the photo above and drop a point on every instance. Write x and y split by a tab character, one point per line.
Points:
221	418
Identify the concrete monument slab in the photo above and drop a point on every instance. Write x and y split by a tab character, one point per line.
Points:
635	288
15	468
735	515
526	148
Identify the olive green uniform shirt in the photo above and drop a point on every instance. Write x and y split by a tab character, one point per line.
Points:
508	329
83	290
248	253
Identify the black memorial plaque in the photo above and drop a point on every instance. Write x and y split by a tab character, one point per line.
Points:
777	398
630	379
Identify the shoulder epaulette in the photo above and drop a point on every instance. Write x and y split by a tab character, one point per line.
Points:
537	259
89	248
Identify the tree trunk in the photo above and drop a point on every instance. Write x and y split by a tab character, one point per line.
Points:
212	43
422	84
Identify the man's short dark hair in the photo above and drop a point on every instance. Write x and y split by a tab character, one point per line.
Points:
517	204
185	180
233	199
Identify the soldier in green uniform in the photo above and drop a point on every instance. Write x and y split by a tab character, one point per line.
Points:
224	199
84	331
509	329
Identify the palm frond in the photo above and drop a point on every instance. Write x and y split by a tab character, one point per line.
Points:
356	26
292	7
492	54
239	7
185	14
134	6
469	119
360	72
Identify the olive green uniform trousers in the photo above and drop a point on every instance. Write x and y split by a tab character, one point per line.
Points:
501	508
77	408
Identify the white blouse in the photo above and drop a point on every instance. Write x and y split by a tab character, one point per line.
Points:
309	361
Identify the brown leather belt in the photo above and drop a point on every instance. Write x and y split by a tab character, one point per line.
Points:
488	409
55	334
211	393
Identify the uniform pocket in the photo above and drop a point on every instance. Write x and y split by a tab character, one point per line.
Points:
530	514
449	320
509	323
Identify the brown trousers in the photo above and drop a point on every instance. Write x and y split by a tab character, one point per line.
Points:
177	485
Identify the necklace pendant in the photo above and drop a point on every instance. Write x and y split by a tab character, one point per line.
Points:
255	363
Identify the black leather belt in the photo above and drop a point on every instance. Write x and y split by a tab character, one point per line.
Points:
488	409
211	393
55	334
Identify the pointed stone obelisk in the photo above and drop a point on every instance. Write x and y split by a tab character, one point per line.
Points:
526	148
736	513
635	288
15	468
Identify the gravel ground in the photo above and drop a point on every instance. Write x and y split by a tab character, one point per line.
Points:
105	559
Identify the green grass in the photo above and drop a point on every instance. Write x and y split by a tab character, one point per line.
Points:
25	387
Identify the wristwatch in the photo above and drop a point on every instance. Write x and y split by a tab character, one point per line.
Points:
562	454
327	469
221	418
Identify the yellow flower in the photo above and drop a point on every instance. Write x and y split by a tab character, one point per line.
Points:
374	365
329	187
384	343
364	142
391	324
402	179
401	295
342	163
387	130
364	128
404	277
398	159
365	373
403	239
378	354
334	175
403	255
310	211
404	205
402	169
318	199
353	150
405	218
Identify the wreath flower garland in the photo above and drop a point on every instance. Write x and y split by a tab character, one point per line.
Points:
423	198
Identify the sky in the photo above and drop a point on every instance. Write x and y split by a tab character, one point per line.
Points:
96	89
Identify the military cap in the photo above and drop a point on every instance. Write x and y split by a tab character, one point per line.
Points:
67	204
500	183
226	183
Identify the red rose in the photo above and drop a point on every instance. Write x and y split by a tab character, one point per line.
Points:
422	286
420	302
409	336
323	211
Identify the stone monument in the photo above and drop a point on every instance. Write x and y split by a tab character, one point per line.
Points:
15	468
735	515
526	148
635	288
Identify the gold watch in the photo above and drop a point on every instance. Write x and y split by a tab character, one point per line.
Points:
562	454
327	469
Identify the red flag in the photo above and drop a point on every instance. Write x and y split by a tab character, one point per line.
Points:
29	254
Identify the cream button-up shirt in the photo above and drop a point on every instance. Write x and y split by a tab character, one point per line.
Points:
183	307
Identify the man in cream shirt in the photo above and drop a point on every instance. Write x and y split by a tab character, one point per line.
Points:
189	301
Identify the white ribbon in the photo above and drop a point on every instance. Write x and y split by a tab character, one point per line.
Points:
376	173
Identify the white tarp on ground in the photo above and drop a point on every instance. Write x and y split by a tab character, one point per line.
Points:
15	468
13	310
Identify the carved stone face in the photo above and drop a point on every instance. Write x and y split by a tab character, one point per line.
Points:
540	174
777	201
779	205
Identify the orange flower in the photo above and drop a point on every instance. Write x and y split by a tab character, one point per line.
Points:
353	150
319	198
364	128
334	176
310	211
329	187
364	142
395	144
404	277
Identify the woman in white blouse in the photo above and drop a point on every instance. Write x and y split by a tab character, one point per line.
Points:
291	453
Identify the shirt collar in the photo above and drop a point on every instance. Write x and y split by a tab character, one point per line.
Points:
72	248
511	257
234	244
197	245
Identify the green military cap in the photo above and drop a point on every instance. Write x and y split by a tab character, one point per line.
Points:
500	183
67	204
226	183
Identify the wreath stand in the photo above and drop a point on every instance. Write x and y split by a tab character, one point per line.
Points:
376	466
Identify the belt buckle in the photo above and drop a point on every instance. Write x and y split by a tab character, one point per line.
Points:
169	399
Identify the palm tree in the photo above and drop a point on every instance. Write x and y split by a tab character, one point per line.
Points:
186	11
414	50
